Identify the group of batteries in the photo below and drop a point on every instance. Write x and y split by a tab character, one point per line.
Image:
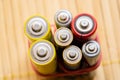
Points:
71	42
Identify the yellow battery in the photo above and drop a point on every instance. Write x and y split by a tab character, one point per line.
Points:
42	54
37	27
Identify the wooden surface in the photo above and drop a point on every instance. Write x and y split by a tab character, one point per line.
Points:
14	62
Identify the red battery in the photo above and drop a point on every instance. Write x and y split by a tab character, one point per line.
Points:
84	27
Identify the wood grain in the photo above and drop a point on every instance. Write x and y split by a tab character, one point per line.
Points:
14	62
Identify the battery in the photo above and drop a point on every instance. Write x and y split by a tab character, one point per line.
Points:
63	18
37	27
72	56
84	27
42	54
63	37
91	52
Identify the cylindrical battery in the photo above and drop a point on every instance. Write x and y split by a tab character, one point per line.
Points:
63	18
84	27
91	52
72	56
42	54
37	27
63	37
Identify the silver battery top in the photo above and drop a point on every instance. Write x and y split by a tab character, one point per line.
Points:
42	52
72	56
36	27
84	24
63	37
63	18
91	51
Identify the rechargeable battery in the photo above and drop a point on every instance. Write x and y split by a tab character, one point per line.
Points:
91	52
42	54
72	56
37	27
63	37
84	27
63	18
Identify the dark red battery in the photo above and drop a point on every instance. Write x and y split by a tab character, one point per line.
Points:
84	27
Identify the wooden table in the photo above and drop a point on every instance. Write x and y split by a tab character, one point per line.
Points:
14	62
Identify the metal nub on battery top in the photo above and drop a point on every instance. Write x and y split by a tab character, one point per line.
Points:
72	56
91	51
43	56
63	37
37	27
63	18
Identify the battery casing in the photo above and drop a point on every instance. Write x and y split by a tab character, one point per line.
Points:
63	37
47	67
82	36
63	18
45	32
91	52
72	56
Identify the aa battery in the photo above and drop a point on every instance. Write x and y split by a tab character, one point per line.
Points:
91	52
63	37
37	27
72	57
84	27
42	54
63	18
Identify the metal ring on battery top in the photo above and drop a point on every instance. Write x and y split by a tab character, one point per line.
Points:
63	18
84	25
37	27
72	55
91	49
42	52
63	37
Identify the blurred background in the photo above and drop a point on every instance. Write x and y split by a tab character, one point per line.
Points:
14	62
